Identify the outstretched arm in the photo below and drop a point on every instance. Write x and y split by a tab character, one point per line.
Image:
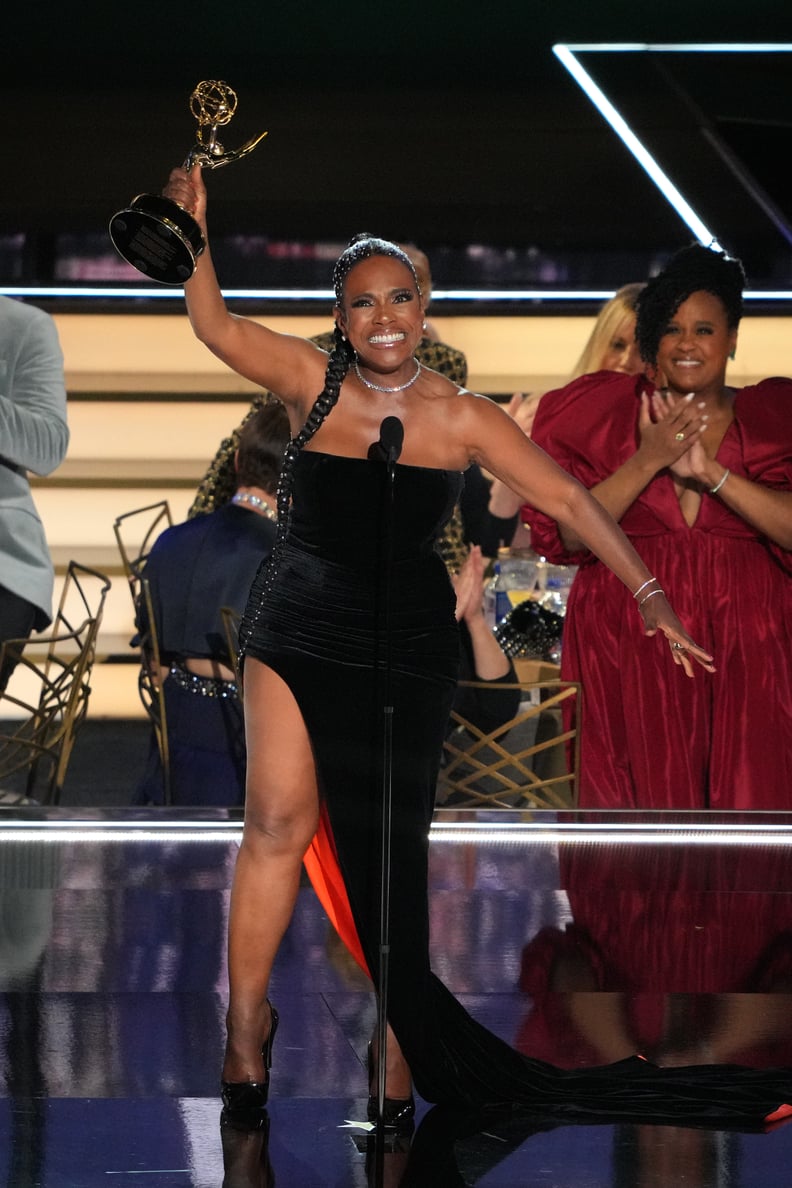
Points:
284	363
500	446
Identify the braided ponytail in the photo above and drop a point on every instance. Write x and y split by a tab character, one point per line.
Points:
337	366
362	247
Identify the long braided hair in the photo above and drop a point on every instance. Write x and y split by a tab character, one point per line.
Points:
691	270
361	247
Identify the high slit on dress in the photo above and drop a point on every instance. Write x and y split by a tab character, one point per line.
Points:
318	623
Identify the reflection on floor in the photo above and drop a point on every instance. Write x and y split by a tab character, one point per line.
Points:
576	945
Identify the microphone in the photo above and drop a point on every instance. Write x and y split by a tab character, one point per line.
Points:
391	439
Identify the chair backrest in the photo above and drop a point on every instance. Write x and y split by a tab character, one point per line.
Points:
530	761
46	699
231	621
135	533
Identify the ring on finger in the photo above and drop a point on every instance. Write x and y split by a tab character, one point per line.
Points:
679	436
678	647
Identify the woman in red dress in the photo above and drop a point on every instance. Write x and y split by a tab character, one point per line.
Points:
699	475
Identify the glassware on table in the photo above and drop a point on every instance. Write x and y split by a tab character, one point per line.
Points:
513	581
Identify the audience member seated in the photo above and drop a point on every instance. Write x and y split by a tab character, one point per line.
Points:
194	569
481	657
487	696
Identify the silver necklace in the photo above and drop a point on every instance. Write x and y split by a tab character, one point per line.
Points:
381	387
259	505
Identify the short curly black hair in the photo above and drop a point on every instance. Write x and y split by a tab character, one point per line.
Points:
690	270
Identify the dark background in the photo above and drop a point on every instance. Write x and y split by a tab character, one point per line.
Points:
453	125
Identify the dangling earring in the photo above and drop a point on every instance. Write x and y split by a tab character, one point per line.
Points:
733	353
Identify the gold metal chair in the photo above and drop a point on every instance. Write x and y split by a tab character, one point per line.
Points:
231	621
530	761
135	533
46	699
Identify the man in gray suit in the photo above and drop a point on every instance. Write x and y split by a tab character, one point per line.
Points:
33	436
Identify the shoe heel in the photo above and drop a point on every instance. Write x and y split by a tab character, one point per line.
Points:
398	1113
244	1100
266	1051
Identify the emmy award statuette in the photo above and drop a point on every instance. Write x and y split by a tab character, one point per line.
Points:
156	235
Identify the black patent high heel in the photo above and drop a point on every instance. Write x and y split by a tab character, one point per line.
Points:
243	1100
398	1113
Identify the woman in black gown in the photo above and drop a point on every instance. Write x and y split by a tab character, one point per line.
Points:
315	667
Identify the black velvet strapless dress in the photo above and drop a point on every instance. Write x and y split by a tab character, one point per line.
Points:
319	622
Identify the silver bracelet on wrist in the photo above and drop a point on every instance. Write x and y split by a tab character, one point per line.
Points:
714	490
648	582
651	594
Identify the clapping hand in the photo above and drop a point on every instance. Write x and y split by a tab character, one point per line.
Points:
670	430
679	418
469	586
522	409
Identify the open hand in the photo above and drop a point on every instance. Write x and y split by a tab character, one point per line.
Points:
658	615
469	586
522	409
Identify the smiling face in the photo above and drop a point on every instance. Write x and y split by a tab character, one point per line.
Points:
695	345
621	353
381	313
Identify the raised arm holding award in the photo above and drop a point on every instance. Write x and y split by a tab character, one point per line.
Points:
158	236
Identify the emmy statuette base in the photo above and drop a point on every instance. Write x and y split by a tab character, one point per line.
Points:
158	238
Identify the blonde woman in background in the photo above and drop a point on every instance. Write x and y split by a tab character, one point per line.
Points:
611	344
610	347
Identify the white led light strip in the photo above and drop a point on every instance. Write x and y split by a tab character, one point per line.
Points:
73	292
566	54
697	833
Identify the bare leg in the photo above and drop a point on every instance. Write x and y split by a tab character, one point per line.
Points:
281	815
398	1080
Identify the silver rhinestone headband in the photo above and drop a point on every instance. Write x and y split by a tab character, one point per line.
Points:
363	249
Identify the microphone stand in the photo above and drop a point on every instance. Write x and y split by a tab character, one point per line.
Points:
391	445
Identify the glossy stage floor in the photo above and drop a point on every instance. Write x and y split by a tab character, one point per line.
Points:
580	940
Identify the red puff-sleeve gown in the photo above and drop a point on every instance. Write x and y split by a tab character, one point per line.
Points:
651	737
